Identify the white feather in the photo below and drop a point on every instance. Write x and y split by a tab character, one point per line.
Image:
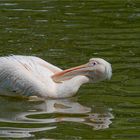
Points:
27	75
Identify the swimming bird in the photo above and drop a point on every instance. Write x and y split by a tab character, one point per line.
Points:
32	76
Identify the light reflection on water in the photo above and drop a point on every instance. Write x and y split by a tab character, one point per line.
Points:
48	112
21	132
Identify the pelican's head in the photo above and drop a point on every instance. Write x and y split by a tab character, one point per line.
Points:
99	70
96	70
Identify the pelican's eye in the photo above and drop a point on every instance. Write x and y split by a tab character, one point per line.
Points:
94	63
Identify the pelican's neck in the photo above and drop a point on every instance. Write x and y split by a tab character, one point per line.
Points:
69	87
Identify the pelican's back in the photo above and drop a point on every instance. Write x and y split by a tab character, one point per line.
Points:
25	75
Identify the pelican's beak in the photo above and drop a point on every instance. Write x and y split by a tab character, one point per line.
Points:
70	73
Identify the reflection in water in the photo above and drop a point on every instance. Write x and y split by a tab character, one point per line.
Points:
45	113
20	132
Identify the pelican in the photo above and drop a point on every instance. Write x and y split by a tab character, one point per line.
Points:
31	76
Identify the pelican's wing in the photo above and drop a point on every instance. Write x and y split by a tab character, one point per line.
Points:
22	74
47	65
36	61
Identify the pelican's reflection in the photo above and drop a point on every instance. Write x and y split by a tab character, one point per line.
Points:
69	111
50	112
63	106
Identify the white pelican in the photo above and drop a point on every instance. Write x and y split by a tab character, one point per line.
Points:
32	76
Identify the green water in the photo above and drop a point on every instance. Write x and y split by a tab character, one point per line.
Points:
68	33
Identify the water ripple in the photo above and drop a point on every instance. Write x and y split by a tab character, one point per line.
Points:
7	132
50	112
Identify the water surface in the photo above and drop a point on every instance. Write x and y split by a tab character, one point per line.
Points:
69	33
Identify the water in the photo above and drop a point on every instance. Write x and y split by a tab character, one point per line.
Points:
69	33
